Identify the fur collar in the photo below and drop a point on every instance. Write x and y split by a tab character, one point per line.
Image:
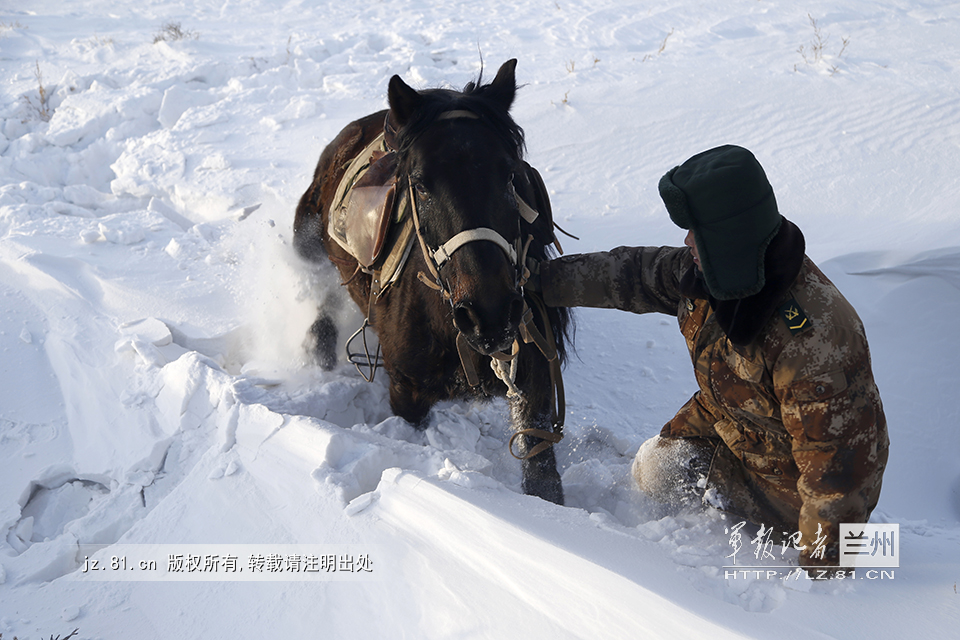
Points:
742	320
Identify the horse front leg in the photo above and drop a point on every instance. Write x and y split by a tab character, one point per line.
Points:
533	411
416	369
409	401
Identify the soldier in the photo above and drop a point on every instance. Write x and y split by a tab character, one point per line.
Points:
787	428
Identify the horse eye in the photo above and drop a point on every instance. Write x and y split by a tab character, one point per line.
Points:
421	190
512	190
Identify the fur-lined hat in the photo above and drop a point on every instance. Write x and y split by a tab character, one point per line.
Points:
723	196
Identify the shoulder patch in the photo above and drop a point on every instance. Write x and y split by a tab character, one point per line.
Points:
794	316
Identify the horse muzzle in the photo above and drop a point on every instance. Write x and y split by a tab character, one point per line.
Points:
489	327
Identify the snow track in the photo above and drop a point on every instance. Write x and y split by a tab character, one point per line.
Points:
152	313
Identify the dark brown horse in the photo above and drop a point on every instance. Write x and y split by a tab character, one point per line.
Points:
455	162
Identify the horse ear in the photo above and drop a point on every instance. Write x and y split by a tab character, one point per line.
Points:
504	86
404	102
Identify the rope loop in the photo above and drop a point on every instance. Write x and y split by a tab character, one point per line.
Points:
548	440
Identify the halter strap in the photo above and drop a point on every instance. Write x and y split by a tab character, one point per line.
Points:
445	252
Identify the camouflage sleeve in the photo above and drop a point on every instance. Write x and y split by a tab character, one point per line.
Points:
831	408
693	420
637	279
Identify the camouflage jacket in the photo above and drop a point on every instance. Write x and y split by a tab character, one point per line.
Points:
784	377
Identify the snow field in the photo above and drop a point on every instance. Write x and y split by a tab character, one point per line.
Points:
152	312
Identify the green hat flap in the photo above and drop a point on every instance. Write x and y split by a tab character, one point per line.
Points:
723	196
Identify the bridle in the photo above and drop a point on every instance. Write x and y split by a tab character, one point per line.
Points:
435	259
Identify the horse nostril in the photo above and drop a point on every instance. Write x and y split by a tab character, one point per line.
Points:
516	311
466	319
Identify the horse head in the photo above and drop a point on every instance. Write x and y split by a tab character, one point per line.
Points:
457	155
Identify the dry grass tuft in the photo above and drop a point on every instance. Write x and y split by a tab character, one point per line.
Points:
173	32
